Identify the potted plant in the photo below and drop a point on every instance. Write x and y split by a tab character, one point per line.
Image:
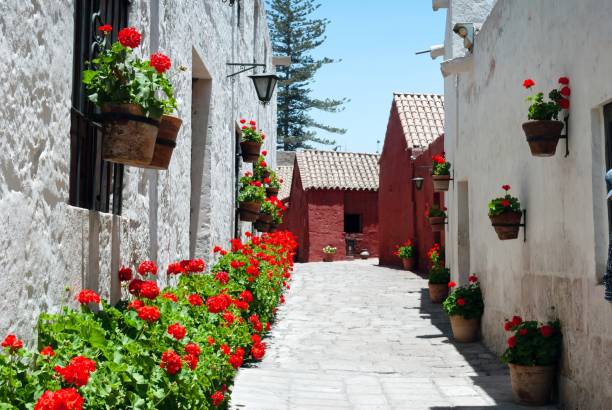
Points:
277	216
436	217
132	94
532	355
328	253
264	221
250	198
543	129
440	173
272	184
439	275
406	253
465	306
505	214
251	141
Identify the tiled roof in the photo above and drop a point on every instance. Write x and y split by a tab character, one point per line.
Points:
338	170
422	117
285	172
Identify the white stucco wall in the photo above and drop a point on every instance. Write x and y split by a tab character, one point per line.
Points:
564	257
50	250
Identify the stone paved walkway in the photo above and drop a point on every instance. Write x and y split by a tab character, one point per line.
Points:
354	335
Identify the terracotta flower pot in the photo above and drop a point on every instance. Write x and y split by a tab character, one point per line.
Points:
166	142
262	226
438	292
249	211
265	218
328	257
272	192
507	225
129	136
440	182
250	151
543	136
437	223
408	263
532	385
465	330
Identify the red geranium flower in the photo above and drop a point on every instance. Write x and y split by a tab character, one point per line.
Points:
564	103
505	203
566	91
236	360
516	320
506	187
217	398
473	278
193	349
125	274
134	286
135	304
63	399
228	317
149	290
195	300
47	351
258	351
12	342
148	313
508	326
170	296
225	349
460	302
528	83
77	372
160	62
242	121
511	342
177	331
546	331
264	152
105	28
192	361
247	296
147	267
523	332
452	284
129	37
256	338
263	164
175	269
87	296
217	249
211	341
222	277
564	80
171	362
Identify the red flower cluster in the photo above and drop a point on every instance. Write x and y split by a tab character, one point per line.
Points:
237	358
12	343
460	302
64	399
217	398
148	313
87	296
105	28
77	372
222	277
439	159
452	284
528	83
171	362
195	300
473	278
512	323
506	187
129	37
258	350
148	289
254	320
47	351
219	303
147	268
177	331
125	274
170	296
160	62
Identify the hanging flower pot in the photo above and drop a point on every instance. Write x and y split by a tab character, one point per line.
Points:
465	306
250	198
544	130
505	214
262	226
436	217
271	191
264	222
249	210
440	173
532	355
166	142
252	140
129	136
543	136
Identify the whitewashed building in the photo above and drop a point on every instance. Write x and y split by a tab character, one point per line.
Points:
557	272
67	220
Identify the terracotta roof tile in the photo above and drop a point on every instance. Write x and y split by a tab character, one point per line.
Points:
285	172
338	170
422	117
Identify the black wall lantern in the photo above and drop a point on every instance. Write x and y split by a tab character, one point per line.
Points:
264	83
418	182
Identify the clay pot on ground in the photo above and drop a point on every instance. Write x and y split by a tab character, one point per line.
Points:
440	182
328	257
532	385
438	292
507	225
129	136
543	136
408	263
271	192
249	211
437	223
465	330
166	142
250	151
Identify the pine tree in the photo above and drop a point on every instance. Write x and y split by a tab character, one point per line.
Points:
296	34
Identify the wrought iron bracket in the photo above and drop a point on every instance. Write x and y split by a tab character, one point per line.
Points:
244	67
566	136
231	2
523	225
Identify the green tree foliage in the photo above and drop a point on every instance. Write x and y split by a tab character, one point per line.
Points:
296	33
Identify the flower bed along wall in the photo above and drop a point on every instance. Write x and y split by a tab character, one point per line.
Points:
173	348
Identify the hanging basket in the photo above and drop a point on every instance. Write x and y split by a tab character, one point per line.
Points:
440	182
438	292
437	223
543	136
165	143
507	225
249	211
272	192
129	136
250	151
532	385
262	226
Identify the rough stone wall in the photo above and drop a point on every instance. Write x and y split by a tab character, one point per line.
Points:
51	250
562	261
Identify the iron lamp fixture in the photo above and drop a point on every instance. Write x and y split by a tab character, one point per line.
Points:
418	182
264	86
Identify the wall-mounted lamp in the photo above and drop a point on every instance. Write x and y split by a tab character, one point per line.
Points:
434	51
264	86
418	182
466	32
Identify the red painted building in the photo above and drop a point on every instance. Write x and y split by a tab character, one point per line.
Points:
333	201
414	135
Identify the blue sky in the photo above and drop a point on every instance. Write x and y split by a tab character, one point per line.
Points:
376	41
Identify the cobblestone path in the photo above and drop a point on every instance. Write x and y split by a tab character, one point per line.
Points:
354	335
